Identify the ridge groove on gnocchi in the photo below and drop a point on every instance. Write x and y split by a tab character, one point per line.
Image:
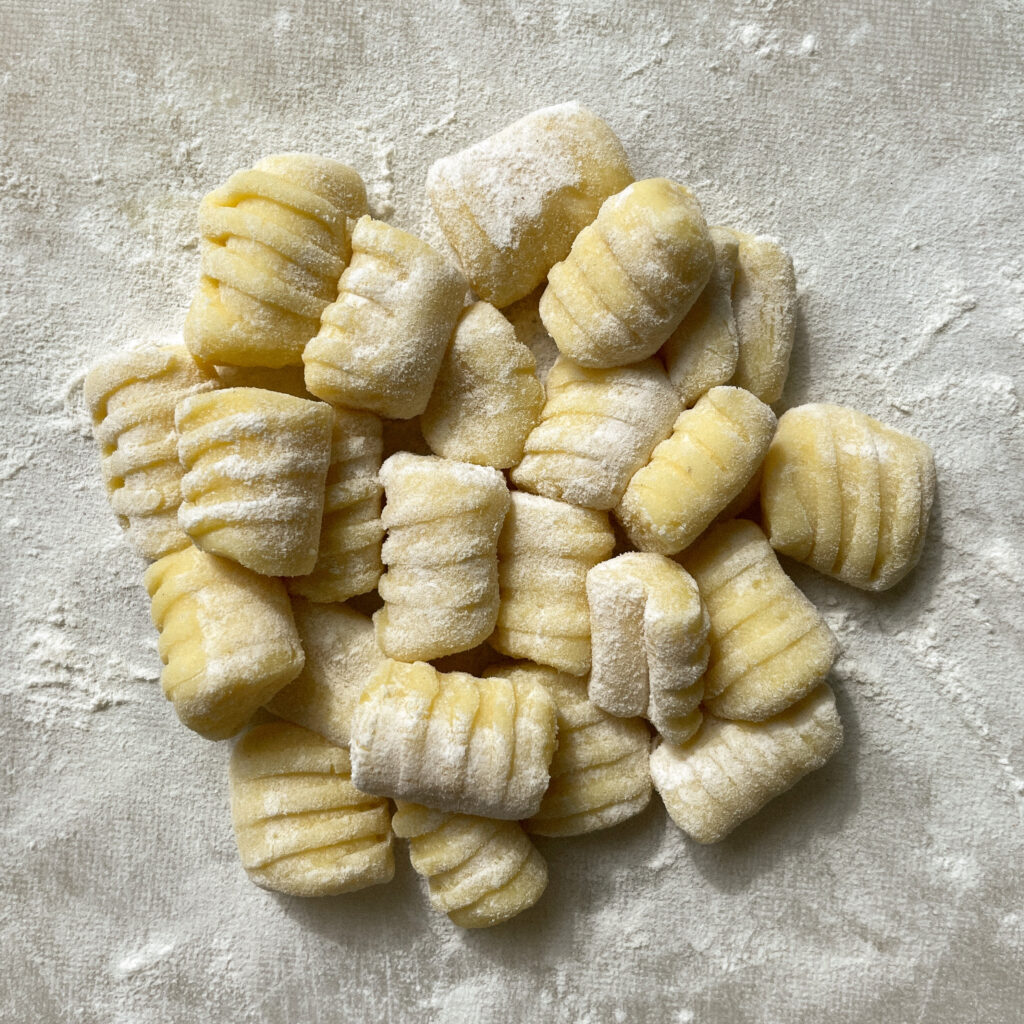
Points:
454	742
274	240
479	872
302	828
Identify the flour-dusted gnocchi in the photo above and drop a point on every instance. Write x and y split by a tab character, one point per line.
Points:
131	397
381	343
348	560
454	742
274	242
847	495
511	205
342	657
649	634
227	639
524	316
480	872
764	303
302	828
599	774
714	450
730	770
487	396
769	644
631	276
544	553
255	466
703	350
597	428
440	590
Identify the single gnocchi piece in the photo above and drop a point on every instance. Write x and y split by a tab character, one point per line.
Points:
545	551
454	742
479	872
702	352
714	450
348	558
764	303
769	644
274	242
847	495
730	770
440	590
597	428
524	316
341	658
255	466
599	774
511	205
381	343
649	633
131	397
227	639
630	277
487	396
302	828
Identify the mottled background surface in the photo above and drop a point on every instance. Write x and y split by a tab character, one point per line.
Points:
883	142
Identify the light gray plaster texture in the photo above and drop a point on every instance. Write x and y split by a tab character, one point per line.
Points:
883	142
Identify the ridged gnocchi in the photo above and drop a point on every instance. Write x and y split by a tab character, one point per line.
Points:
714	450
511	204
544	553
847	495
597	428
479	872
351	533
274	242
440	591
769	644
487	396
227	639
630	277
302	828
380	345
255	466
599	773
454	742
649	635
131	397
730	770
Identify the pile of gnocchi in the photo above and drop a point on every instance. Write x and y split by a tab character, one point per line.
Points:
476	546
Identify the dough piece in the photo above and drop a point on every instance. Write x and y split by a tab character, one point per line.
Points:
348	562
599	774
302	828
381	344
764	304
255	467
714	450
544	553
341	658
454	742
511	205
730	770
631	276
524	316
479	872
847	495
487	396
597	428
274	242
769	644
441	588
289	380
703	350
131	397
227	639
649	632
